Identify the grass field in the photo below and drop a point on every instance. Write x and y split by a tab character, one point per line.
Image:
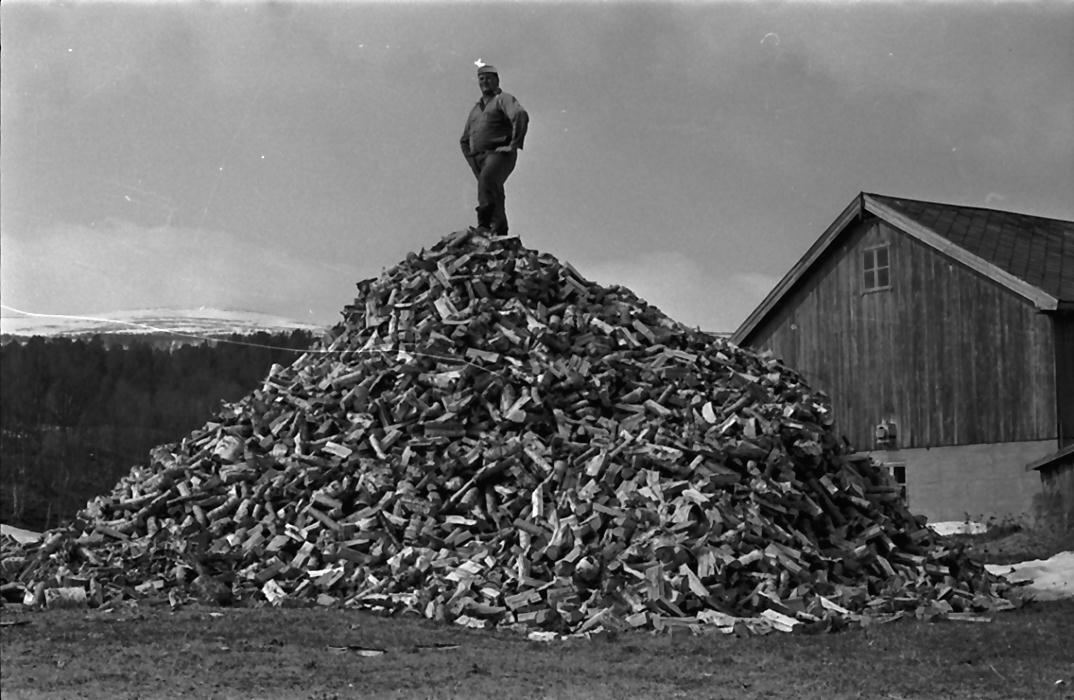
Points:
321	653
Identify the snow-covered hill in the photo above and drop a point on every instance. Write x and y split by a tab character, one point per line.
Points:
150	322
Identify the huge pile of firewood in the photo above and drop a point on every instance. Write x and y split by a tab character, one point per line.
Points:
489	438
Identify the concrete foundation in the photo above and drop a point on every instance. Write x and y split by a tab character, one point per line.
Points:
978	482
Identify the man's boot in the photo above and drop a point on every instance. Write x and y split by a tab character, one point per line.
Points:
484	216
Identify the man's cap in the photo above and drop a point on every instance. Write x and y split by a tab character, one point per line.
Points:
487	69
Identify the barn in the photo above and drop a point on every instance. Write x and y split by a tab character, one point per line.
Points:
944	336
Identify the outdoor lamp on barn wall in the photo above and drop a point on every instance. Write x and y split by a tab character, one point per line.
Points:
885	433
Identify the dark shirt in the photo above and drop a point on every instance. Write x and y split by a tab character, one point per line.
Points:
494	122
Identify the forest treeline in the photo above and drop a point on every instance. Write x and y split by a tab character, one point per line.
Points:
76	415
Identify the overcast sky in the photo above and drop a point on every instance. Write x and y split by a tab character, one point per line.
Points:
267	156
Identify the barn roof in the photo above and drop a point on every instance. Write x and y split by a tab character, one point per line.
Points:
1056	459
1036	250
1031	255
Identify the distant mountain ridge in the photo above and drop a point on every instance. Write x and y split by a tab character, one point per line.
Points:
202	322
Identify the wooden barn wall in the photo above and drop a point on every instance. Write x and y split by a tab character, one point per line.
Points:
1055	505
1064	376
946	354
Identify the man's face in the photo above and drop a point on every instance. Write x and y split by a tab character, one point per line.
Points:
488	82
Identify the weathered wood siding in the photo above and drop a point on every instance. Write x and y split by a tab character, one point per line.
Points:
1055	505
1064	376
951	357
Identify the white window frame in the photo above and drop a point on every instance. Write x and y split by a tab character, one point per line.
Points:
872	270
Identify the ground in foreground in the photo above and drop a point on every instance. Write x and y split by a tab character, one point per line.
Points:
321	654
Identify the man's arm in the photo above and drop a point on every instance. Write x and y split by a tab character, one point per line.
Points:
464	143
519	119
473	166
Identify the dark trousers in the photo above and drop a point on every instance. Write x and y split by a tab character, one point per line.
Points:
492	169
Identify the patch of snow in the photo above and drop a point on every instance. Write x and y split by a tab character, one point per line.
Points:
1050	579
958	527
20	535
202	321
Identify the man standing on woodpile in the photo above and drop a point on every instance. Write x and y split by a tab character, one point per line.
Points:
494	134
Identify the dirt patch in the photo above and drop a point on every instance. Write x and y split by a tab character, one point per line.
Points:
1010	545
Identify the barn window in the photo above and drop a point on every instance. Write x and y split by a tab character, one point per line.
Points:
877	268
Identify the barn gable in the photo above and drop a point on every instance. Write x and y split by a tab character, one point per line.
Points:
1033	256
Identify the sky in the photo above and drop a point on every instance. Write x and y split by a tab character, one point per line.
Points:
267	156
